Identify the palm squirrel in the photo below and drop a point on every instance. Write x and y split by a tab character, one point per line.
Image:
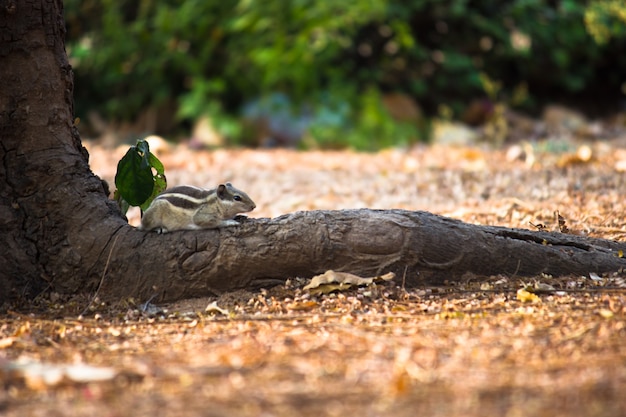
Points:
192	208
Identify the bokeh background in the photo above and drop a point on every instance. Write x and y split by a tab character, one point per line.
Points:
363	74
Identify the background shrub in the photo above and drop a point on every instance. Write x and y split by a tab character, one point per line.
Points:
335	62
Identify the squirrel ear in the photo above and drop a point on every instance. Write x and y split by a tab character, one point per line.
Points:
221	191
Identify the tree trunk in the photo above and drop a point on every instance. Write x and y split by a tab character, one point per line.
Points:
59	231
55	218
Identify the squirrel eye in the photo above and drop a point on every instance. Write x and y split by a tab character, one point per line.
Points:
237	198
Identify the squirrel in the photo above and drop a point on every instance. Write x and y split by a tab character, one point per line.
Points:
191	208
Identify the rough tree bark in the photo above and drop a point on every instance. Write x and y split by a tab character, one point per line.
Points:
59	231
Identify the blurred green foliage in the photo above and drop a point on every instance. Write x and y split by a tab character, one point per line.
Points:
606	19
338	60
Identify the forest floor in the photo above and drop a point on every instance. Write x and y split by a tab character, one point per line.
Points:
475	348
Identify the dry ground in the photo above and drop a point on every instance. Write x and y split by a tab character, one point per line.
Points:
470	348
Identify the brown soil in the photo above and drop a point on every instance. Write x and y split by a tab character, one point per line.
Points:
472	348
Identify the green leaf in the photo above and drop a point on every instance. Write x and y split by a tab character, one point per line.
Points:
154	162
135	181
143	149
160	182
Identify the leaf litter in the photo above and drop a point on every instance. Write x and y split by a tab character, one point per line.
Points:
371	347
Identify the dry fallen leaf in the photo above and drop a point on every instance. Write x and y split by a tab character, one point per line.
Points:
39	375
527	297
595	277
606	313
302	305
330	277
6	342
214	308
